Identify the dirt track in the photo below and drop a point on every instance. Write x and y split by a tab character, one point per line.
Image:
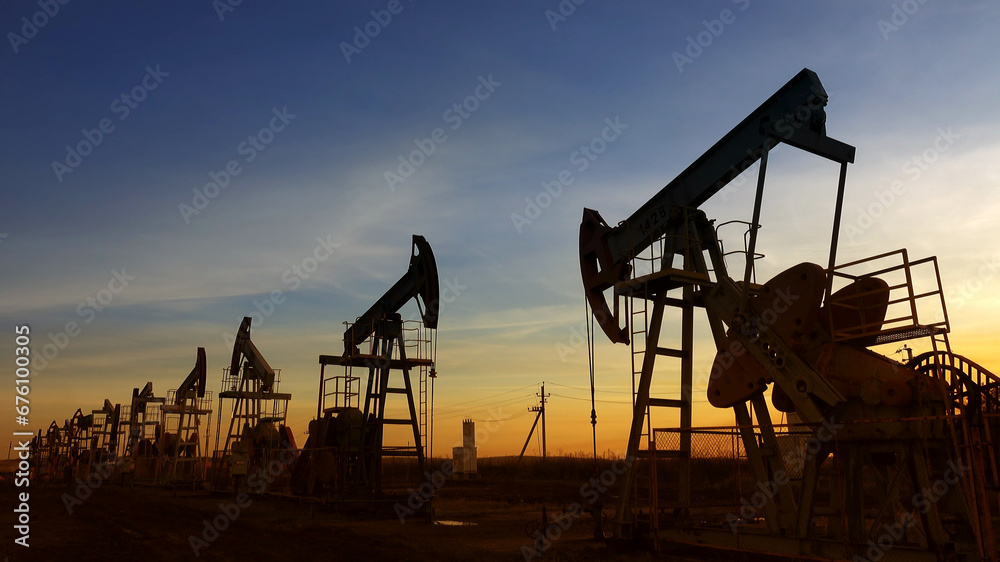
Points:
155	524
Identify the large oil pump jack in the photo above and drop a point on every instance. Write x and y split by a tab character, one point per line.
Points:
161	437
880	448
78	430
139	432
104	430
186	409
344	452
46	452
257	432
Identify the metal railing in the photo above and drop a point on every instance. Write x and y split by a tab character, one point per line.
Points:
902	303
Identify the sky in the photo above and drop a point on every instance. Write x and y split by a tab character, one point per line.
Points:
165	168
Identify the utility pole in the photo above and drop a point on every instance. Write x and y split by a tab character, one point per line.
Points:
531	432
540	414
543	396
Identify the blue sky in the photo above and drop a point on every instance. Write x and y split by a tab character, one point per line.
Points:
922	85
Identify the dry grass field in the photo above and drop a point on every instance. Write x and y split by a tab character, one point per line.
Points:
486	518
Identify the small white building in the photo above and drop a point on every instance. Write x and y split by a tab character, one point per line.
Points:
464	457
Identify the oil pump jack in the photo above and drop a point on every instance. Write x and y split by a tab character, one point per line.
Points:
78	431
45	451
257	432
163	444
49	451
140	429
103	448
179	444
343	454
881	448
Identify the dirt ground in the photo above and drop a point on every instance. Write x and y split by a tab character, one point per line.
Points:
149	524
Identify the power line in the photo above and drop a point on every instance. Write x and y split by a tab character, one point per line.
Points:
515	416
588	390
588	399
466	412
614	401
485	397
467	406
490	405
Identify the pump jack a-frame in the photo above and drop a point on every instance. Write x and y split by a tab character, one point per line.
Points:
161	436
344	452
256	432
874	435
